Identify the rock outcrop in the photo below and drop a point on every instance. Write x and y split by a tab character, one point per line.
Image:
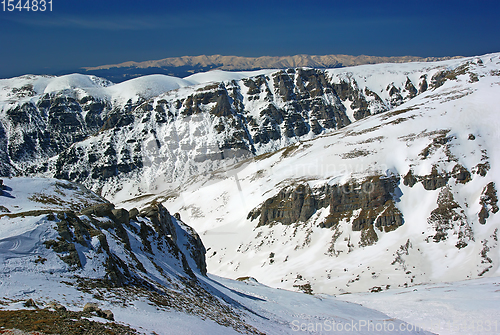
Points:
438	179
86	137
449	217
158	229
374	199
488	201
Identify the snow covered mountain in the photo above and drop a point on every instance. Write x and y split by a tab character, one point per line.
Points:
321	181
159	129
98	269
400	198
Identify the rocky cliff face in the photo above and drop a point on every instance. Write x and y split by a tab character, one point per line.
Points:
372	198
85	135
38	125
364	205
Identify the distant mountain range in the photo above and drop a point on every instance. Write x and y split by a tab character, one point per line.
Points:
187	65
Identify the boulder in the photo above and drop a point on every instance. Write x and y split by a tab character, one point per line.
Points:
161	219
121	215
90	307
56	306
30	303
107	314
133	213
100	210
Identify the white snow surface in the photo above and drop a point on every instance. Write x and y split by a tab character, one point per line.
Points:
223	76
30	270
465	307
217	204
145	87
44	194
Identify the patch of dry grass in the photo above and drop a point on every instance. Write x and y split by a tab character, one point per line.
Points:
51	322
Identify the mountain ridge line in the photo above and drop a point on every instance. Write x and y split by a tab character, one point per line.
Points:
268	62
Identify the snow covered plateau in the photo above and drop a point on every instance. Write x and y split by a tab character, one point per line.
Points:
372	185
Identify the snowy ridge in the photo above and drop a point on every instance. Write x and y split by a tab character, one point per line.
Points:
445	138
134	273
158	129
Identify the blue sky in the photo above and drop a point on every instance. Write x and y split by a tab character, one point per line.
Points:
90	32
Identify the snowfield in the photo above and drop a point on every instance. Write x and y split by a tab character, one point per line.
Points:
217	205
424	260
30	270
466	307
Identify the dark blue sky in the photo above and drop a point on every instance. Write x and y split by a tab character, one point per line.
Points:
90	32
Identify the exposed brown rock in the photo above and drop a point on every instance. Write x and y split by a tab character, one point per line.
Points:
161	219
488	201
449	217
409	179
374	196
434	180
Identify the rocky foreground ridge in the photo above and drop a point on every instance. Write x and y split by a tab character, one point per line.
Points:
63	248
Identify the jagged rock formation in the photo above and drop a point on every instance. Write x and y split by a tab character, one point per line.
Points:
153	227
89	135
436	179
489	202
374	199
70	240
449	216
363	206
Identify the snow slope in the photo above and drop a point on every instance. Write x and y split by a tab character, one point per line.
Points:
216	76
20	195
455	124
169	303
466	307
